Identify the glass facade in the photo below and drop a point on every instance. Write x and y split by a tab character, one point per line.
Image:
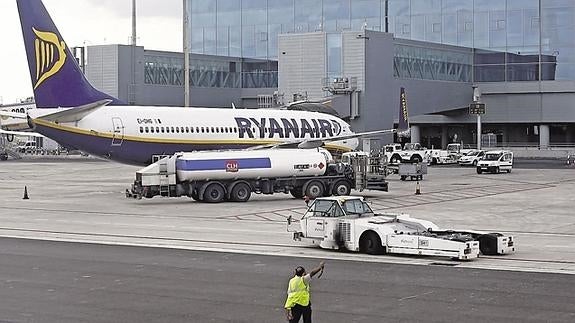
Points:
514	40
206	72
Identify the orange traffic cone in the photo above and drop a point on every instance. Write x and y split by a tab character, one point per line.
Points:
417	189
25	194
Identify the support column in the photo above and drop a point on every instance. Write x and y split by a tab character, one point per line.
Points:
415	134
543	136
444	137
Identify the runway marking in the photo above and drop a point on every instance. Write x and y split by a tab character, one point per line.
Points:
414	296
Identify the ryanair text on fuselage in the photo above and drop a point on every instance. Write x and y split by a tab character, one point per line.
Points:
287	128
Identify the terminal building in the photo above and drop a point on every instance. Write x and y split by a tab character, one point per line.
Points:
357	54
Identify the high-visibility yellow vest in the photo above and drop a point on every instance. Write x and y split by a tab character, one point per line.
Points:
298	292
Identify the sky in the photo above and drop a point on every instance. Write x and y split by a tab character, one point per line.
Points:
85	23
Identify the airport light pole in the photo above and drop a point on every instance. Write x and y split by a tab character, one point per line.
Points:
186	26
478	109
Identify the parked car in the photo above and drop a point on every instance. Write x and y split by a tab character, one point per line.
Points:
496	161
28	147
471	158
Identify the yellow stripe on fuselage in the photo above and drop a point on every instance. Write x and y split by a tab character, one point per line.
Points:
109	135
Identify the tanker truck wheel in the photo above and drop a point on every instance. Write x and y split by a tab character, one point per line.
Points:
214	193
314	189
341	188
297	192
241	192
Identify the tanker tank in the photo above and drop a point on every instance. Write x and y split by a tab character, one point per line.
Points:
265	163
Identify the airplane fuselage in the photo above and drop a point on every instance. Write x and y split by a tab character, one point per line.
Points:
133	134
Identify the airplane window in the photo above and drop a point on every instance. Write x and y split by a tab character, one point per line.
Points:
222	129
212	130
172	130
202	129
157	129
192	129
217	130
152	129
141	129
235	130
182	129
147	130
162	129
198	129
178	129
187	129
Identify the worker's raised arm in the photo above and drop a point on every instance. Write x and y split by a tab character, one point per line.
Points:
318	269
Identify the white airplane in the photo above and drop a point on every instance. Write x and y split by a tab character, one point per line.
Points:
101	125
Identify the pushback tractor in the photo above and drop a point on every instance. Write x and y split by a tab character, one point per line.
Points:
348	223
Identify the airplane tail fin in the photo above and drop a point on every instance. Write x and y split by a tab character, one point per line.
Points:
403	123
55	74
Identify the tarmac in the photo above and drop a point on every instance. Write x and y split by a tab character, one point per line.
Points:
83	200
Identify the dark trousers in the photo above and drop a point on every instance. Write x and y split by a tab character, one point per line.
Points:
298	311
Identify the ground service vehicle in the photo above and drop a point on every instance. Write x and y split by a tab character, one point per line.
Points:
449	156
348	222
471	158
216	176
496	161
414	153
28	147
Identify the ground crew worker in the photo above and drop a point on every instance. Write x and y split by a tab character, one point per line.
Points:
298	300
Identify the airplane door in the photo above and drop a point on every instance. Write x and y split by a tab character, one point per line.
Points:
118	132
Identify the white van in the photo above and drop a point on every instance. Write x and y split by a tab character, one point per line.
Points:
496	161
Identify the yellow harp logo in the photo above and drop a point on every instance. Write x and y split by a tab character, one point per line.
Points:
50	55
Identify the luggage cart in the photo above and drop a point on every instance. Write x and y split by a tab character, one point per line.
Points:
413	171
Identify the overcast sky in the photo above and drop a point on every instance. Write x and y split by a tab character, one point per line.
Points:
86	22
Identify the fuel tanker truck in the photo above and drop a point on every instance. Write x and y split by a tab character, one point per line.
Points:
233	175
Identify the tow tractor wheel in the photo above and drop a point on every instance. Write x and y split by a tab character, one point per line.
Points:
395	159
370	243
214	193
296	192
509	170
241	192
341	188
314	189
416	159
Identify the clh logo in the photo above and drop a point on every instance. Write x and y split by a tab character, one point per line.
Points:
50	55
231	166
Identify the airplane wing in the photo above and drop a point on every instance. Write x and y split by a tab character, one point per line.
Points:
315	143
75	114
20	133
